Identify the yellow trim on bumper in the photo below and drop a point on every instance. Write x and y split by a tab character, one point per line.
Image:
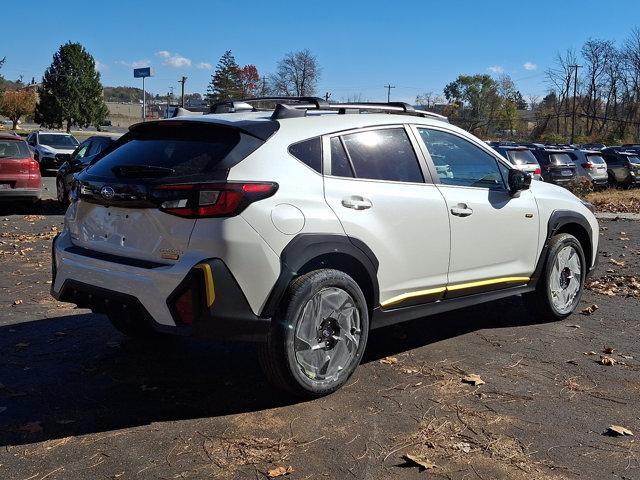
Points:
208	282
461	286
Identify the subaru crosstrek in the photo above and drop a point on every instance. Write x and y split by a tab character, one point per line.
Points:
305	227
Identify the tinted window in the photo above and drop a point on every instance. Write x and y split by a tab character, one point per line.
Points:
185	149
522	157
611	159
309	152
82	150
383	155
340	166
560	159
58	141
459	162
597	159
13	149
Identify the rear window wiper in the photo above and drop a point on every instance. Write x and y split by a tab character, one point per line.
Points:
142	171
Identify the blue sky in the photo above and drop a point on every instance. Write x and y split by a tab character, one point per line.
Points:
417	46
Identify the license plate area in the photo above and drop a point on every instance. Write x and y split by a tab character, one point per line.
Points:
566	172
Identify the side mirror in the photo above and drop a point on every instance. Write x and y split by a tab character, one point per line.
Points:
518	180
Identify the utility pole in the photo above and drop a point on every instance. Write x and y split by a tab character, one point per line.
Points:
169	95
388	86
575	89
327	96
182	82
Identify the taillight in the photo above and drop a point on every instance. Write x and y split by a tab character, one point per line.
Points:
202	200
34	167
537	171
587	166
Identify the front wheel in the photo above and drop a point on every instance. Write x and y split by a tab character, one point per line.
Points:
318	335
560	287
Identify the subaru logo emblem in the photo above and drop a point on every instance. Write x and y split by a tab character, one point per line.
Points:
107	192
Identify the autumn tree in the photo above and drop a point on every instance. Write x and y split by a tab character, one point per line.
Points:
477	99
15	104
250	83
71	91
297	74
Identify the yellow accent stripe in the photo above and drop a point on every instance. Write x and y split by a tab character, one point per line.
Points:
419	293
208	282
460	286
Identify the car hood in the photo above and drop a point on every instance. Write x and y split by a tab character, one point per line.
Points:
53	151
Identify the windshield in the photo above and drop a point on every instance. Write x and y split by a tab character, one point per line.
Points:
13	149
597	159
634	159
57	141
522	157
560	159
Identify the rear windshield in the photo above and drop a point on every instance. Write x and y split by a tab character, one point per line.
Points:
597	159
176	151
57	141
13	149
522	157
560	159
634	159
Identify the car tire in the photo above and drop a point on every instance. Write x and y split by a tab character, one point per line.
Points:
558	292
132	325
61	193
318	334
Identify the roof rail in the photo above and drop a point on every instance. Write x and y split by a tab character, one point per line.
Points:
316	103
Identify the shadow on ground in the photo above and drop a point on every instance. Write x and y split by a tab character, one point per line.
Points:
43	207
74	374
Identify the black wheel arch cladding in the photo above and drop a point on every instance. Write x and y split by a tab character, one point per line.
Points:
306	252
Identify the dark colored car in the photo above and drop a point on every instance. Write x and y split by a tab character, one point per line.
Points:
521	158
593	146
556	165
80	158
590	165
19	173
623	166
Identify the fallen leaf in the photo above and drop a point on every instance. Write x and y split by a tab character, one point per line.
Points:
608	350
409	371
590	353
618	431
389	360
31	427
17	302
280	471
589	310
420	461
462	446
608	361
573	326
473	379
616	262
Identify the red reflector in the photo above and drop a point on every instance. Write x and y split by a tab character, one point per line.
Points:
184	307
537	171
587	166
257	187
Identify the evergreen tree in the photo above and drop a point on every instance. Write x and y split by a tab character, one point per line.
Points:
71	91
226	82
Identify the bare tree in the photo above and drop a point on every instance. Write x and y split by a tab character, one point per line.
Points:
559	78
297	74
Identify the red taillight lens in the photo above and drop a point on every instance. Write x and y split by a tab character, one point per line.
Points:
184	307
587	166
537	171
34	167
204	200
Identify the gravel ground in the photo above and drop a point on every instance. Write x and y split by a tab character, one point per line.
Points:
78	400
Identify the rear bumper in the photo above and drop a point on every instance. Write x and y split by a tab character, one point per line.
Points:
20	193
106	286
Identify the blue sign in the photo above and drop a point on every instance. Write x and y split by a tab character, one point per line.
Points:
142	72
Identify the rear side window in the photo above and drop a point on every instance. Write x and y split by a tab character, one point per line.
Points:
13	149
309	152
340	166
385	154
179	150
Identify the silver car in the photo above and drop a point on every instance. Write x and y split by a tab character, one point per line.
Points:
590	164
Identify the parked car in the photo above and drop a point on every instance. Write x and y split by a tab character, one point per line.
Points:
51	149
591	165
623	167
556	165
80	158
521	158
303	232
19	172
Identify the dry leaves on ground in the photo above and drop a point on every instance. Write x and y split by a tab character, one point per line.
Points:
589	310
608	361
618	431
473	379
420	461
612	285
389	360
280	471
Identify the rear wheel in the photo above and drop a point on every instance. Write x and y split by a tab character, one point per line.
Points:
61	192
559	289
318	335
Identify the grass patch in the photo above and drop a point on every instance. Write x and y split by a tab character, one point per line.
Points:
615	201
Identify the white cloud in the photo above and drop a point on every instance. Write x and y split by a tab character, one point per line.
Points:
496	69
101	67
135	63
529	66
204	66
173	59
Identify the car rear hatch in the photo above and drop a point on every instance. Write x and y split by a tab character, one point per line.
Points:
524	160
142	199
17	169
595	165
561	167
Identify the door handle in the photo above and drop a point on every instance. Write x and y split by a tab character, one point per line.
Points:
461	210
356	202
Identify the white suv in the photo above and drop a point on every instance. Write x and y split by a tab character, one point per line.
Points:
306	226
